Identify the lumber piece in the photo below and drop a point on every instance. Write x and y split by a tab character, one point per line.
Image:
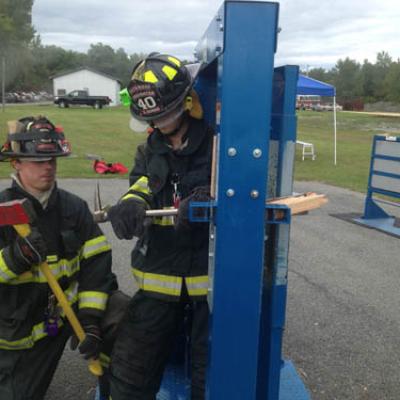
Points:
301	203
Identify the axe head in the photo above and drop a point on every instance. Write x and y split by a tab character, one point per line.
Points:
16	212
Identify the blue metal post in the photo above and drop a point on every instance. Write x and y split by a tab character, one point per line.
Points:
245	75
283	141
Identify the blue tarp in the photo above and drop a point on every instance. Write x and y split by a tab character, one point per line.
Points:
306	85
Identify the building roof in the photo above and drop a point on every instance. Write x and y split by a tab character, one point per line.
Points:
82	69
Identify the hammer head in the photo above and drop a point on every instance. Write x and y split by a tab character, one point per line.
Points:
16	212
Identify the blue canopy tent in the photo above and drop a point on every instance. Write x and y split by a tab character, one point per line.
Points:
309	86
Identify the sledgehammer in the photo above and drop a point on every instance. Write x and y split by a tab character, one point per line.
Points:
19	214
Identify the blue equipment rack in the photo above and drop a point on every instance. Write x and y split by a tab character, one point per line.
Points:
251	106
384	179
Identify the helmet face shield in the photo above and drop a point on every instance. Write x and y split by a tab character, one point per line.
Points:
169	118
138	125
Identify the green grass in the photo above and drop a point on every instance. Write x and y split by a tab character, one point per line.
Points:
103	132
354	143
106	133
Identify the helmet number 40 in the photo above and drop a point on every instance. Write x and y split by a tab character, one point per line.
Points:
147	103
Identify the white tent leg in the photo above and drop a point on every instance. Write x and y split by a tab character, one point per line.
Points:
334	125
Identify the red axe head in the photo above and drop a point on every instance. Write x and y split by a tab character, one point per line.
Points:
16	212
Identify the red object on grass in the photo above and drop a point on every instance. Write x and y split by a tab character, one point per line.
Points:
102	167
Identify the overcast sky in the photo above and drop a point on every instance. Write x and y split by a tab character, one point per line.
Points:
314	32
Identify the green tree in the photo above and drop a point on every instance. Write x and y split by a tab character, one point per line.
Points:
16	32
391	83
318	73
346	76
382	66
102	57
368	81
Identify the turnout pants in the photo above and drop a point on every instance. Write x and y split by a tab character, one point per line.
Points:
26	374
143	346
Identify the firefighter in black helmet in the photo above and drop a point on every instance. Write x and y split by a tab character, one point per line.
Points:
33	330
169	262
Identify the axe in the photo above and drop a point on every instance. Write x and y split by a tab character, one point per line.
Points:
19	214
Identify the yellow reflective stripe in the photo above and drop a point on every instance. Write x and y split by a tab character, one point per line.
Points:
62	268
197	285
150	77
6	274
92	299
165	284
174	60
169	72
164	221
38	332
133	196
104	360
95	246
141	185
52	258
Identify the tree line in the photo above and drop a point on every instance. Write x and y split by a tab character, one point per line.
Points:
30	64
371	82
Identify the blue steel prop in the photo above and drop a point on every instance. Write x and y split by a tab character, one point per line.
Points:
251	105
384	178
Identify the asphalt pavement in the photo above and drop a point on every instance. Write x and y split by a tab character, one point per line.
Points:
343	314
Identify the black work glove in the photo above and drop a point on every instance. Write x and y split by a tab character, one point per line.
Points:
127	218
90	347
28	251
201	194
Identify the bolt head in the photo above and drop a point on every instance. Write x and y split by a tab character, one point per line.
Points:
257	153
254	194
232	152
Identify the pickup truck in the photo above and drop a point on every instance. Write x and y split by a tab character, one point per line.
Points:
81	97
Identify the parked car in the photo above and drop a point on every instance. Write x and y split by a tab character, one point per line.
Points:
81	97
326	107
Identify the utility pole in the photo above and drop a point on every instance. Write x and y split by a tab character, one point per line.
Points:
3	82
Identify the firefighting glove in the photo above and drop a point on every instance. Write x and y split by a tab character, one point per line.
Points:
90	347
200	194
127	218
27	251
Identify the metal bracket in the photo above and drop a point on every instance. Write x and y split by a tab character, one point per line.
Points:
277	214
200	211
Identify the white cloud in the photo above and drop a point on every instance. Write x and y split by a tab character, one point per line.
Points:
314	33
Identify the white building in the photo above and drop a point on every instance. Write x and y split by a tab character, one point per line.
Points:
94	82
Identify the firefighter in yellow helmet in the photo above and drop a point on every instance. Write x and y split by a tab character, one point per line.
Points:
169	263
33	330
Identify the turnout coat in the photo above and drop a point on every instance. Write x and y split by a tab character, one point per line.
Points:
166	261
